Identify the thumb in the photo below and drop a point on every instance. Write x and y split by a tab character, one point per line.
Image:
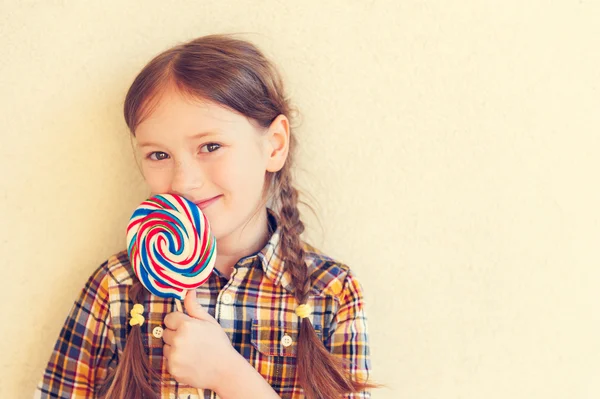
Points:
194	309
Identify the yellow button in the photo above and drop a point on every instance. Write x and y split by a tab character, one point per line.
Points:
286	340
157	332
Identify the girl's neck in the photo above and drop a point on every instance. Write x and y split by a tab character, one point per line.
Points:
233	247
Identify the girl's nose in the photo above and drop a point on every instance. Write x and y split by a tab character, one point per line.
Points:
187	177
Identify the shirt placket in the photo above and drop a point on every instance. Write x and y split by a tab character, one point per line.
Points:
224	309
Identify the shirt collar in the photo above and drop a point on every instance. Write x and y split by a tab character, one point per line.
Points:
270	256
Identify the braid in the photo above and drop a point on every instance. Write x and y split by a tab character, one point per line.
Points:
293	253
134	377
321	374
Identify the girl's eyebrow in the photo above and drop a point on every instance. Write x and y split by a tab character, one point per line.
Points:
196	136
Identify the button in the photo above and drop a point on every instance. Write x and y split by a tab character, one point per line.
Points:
227	299
157	332
286	340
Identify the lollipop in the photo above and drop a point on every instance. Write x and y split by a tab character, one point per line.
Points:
170	246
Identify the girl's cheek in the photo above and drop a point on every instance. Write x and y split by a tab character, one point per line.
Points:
222	172
158	180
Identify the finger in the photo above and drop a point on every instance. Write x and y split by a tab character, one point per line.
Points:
168	336
174	319
167	354
167	351
194	309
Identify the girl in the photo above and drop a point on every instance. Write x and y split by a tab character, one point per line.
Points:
276	318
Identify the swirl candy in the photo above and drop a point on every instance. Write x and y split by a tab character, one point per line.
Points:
170	245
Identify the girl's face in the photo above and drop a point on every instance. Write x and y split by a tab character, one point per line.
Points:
201	150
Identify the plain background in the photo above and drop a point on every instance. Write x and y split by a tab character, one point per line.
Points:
451	150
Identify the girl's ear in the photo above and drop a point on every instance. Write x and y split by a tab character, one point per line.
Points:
277	143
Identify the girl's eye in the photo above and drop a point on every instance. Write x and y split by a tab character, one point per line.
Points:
156	152
212	145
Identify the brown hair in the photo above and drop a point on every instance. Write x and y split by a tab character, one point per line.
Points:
133	377
235	73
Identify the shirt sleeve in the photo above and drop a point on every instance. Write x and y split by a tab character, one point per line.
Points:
85	346
349	335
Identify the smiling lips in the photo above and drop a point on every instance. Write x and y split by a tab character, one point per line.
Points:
205	203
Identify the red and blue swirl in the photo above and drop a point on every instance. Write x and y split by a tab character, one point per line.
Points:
170	245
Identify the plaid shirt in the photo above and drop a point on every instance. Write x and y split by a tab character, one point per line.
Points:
255	307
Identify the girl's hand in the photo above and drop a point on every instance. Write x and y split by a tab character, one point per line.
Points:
198	351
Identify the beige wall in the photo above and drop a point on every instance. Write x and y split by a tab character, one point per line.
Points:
452	152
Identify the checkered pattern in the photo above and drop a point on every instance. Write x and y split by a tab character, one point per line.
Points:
255	308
